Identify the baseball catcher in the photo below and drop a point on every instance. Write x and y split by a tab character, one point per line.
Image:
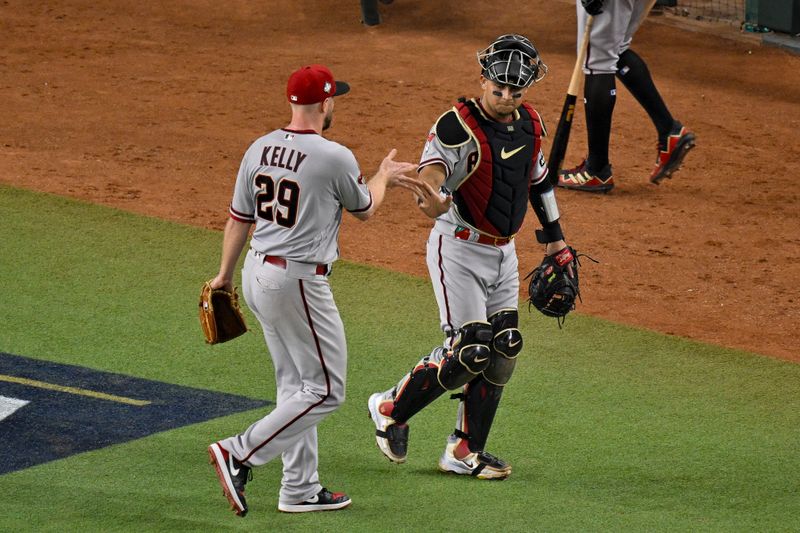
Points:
220	316
482	166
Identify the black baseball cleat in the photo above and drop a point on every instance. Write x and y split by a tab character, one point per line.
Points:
581	178
324	500
670	155
233	476
391	437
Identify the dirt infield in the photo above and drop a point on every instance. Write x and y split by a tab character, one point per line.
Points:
149	108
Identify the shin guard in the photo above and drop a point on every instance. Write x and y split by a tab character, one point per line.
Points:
443	370
476	412
419	387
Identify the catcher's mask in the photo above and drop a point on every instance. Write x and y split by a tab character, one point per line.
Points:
512	60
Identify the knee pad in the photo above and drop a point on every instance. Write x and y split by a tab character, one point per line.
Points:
506	338
469	356
506	345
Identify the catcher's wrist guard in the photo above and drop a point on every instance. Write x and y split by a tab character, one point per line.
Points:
221	318
549	233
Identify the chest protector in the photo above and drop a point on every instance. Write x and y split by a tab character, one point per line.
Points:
493	197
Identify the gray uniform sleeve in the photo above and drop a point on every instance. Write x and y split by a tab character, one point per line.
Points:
435	152
349	185
242	206
455	159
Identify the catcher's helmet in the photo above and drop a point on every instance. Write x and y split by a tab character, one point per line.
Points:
512	60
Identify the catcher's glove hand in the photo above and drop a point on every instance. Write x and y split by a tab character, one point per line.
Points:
220	316
554	288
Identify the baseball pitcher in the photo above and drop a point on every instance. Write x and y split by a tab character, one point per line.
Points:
293	185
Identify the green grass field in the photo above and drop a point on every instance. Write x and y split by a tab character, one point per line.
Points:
608	428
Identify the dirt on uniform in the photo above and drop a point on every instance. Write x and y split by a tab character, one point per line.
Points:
149	108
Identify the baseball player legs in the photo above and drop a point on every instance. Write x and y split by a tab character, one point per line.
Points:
481	165
293	185
614	24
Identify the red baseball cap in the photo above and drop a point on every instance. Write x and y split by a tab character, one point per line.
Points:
312	84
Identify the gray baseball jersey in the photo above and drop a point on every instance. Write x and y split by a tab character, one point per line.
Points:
471	281
611	34
293	185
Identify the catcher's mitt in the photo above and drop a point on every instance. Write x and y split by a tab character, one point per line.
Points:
220	316
554	288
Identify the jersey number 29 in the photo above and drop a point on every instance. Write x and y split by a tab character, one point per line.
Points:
286	197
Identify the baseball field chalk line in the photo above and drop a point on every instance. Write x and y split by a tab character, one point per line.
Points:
73	390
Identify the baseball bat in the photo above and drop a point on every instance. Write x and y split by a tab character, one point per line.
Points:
561	138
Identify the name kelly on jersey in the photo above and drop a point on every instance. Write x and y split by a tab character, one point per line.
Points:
282	157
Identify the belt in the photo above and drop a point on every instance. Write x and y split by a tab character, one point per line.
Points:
467	234
322	270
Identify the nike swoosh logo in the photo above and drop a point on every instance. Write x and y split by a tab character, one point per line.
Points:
233	469
512	344
506	155
477	360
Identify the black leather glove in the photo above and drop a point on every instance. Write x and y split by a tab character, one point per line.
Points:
593	7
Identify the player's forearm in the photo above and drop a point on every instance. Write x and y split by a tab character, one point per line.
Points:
543	200
434	203
377	187
377	192
555	247
233	242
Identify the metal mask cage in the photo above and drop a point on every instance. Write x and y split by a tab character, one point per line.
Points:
512	60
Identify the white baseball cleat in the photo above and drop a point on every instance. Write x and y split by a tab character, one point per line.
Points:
391	437
481	465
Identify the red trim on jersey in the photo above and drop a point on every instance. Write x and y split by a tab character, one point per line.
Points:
324	371
444	288
542	177
485	113
301	132
369	205
239	216
435	161
477	190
